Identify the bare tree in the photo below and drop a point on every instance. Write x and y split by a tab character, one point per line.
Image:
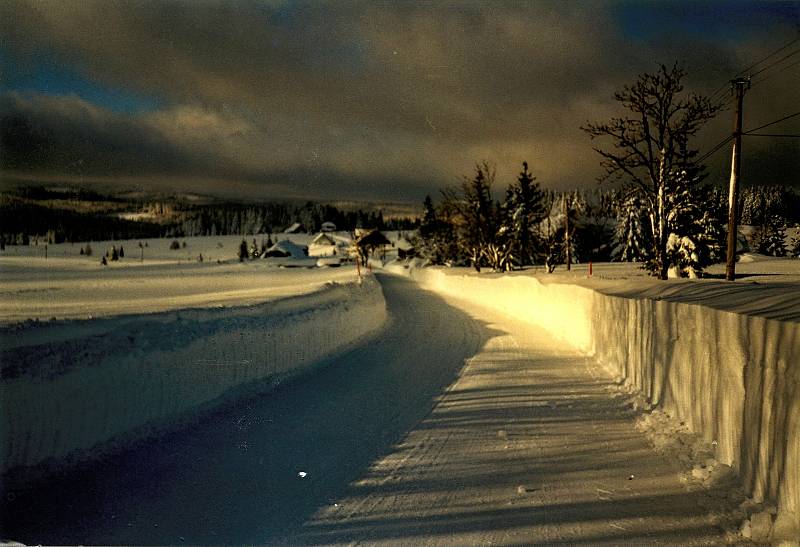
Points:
651	145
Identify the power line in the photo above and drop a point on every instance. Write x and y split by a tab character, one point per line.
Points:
772	135
790	43
782	59
768	56
772	123
768	76
715	149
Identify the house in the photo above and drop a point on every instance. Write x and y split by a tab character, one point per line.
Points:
295	228
287	254
405	249
323	239
286	249
328	227
322	245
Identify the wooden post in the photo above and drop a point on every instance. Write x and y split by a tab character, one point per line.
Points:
733	191
566	234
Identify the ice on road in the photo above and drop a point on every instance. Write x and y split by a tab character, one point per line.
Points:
399	441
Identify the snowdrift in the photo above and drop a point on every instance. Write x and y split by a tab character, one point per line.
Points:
733	378
71	390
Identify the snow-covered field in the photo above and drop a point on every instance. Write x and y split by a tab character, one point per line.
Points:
66	285
189	334
137	346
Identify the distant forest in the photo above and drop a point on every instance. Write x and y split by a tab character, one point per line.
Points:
56	216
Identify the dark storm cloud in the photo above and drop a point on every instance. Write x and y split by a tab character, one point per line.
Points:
365	98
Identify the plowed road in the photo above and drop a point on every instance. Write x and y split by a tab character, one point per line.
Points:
456	426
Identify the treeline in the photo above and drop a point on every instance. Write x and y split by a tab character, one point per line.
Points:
533	226
22	222
661	215
233	219
529	226
46	215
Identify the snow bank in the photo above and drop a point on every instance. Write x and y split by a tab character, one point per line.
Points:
733	378
72	389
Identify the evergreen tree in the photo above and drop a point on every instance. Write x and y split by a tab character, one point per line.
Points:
794	248
773	238
476	216
631	241
713	223
523	210
550	248
692	241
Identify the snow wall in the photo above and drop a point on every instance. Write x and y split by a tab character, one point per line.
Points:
733	378
73	389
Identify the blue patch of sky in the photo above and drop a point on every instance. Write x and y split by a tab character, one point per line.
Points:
44	76
713	20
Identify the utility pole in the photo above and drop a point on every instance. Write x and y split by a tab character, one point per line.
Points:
736	163
566	234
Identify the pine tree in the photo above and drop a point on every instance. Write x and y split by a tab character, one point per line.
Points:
631	241
476	217
773	239
687	251
713	223
522	211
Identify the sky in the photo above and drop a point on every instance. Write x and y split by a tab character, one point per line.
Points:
374	101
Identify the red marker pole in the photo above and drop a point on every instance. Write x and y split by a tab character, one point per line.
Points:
590	268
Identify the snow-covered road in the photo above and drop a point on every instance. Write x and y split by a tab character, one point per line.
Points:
525	444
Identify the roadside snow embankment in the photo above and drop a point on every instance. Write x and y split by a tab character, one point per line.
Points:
733	378
72	389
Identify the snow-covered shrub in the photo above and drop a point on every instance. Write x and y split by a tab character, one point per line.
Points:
683	258
794	246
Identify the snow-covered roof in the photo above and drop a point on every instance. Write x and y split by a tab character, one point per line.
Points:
328	227
323	239
373	238
403	244
293	229
285	248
